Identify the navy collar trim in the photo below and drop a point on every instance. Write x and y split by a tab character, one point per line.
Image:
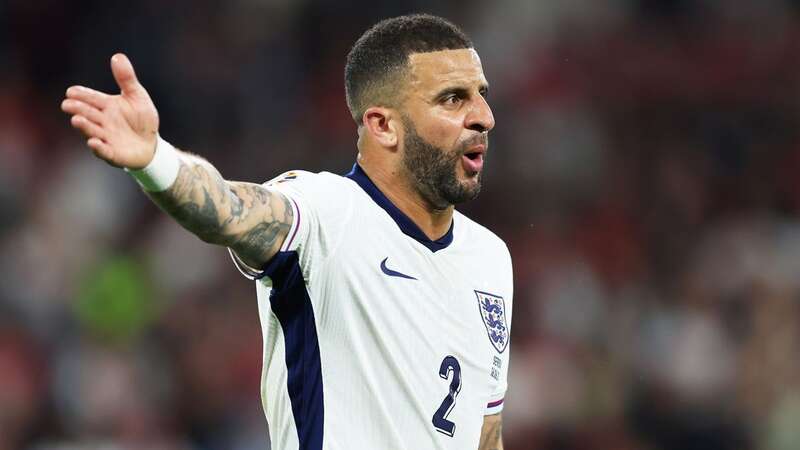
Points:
407	226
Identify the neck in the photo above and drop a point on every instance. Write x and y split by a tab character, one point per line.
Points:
399	189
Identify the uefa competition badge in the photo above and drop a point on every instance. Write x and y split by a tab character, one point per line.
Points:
493	311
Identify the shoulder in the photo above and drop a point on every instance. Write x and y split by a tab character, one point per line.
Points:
323	197
304	178
315	188
481	236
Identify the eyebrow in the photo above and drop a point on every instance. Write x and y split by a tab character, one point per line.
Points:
459	90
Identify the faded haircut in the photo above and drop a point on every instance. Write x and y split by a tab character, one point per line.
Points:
378	61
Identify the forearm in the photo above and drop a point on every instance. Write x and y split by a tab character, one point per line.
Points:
491	433
244	216
123	131
199	198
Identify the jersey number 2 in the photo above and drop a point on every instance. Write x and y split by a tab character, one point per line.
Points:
440	422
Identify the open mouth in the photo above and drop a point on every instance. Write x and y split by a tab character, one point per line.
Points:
473	155
473	162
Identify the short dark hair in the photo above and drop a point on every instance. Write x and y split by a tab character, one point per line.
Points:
380	56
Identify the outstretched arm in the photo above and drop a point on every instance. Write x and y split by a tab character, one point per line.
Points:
246	217
491	433
123	131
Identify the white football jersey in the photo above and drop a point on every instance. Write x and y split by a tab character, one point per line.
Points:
376	337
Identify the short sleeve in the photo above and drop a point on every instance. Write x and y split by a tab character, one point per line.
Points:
500	370
311	197
501	360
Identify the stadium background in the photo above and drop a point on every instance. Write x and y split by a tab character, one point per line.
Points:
643	171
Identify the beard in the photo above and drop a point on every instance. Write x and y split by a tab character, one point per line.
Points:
434	169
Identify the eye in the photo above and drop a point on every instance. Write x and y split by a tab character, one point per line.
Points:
451	99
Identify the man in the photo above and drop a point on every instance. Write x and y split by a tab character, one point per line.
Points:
385	312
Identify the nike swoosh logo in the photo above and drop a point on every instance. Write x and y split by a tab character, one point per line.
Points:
394	273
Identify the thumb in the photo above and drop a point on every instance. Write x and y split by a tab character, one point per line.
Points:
123	72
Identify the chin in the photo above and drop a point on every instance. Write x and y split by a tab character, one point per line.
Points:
471	181
471	188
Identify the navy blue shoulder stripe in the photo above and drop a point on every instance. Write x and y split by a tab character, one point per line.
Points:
292	306
407	226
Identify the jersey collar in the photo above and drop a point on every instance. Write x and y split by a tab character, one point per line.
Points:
407	226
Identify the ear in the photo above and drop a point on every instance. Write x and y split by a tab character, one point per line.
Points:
380	125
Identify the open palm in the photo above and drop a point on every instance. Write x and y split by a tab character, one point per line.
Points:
120	129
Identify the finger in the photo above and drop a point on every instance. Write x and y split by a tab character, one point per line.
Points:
100	148
89	128
76	107
95	98
123	72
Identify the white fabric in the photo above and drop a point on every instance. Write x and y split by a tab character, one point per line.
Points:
383	339
162	170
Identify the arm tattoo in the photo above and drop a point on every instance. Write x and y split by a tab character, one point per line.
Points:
491	434
246	217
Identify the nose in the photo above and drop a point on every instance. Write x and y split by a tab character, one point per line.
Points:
480	117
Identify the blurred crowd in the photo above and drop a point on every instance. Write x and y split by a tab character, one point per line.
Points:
643	171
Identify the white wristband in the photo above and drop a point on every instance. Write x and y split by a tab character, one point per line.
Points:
162	171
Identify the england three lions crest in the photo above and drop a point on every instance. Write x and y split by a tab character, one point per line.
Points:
493	312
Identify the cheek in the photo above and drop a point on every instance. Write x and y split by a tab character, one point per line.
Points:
444	133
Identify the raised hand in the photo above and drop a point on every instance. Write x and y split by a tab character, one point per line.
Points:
120	129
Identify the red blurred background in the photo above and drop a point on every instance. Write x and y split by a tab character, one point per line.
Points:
643	171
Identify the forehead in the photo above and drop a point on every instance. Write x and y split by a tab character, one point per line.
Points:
433	70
